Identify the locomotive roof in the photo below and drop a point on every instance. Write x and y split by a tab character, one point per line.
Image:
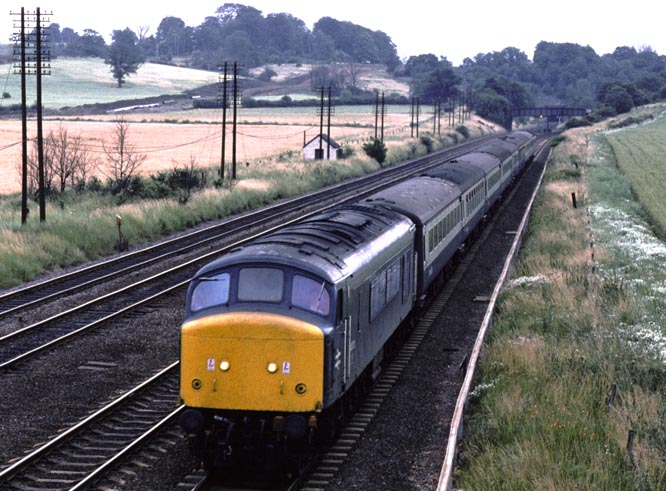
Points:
420	198
519	137
459	173
481	160
332	244
502	149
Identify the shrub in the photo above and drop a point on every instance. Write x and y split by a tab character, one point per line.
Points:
427	142
463	130
576	123
376	150
267	75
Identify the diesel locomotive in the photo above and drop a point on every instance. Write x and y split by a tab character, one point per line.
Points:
282	333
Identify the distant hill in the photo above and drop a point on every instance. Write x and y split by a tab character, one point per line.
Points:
77	82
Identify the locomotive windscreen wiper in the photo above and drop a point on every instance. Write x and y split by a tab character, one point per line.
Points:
321	293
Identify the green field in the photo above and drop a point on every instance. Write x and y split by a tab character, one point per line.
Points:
640	154
77	81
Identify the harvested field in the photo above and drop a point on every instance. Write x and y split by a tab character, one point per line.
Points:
171	139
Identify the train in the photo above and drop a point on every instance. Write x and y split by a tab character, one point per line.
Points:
282	334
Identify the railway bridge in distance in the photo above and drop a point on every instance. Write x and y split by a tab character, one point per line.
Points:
551	114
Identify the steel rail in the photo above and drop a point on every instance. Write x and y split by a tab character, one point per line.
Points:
24	462
128	449
445	482
279	207
159	276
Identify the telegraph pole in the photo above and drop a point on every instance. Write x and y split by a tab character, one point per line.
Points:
236	95
328	127
24	126
224	118
37	63
321	124
40	133
383	113
376	113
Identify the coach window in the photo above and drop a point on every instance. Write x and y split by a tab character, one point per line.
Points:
210	291
260	285
311	295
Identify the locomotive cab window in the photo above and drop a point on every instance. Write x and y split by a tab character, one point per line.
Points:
310	294
210	290
260	285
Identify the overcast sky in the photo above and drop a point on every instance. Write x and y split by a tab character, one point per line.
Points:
454	29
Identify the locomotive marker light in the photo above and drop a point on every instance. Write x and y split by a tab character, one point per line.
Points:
272	367
224	365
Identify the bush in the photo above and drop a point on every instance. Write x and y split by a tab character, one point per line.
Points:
95	185
6	95
427	142
376	150
267	75
463	130
576	123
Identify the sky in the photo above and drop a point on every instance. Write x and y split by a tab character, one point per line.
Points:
453	29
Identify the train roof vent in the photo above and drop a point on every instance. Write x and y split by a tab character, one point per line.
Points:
326	256
350	237
383	200
353	220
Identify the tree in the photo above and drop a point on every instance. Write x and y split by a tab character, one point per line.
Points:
288	36
123	161
492	106
616	96
173	38
376	150
125	56
91	43
433	81
357	42
61	150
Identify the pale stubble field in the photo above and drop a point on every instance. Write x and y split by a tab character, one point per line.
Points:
170	139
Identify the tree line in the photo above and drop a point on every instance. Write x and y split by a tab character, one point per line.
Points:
564	74
492	83
243	33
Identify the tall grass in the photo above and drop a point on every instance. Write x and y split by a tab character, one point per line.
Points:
82	227
542	417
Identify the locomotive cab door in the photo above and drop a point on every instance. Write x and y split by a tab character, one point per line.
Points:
346	331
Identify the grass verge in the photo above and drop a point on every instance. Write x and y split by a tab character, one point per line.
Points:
82	227
571	389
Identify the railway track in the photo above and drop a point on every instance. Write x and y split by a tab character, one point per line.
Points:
15	301
29	341
86	451
23	474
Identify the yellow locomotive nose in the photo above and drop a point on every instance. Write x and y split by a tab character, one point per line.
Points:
252	361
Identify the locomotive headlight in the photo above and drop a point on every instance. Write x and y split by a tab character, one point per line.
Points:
224	365
272	367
